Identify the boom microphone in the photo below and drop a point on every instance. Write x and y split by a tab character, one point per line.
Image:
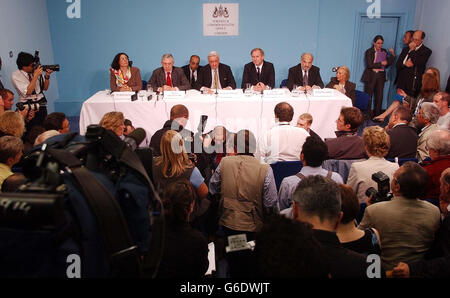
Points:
135	138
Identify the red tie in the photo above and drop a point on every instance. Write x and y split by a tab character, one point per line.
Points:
168	80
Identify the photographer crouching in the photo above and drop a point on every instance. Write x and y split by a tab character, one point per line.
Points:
31	80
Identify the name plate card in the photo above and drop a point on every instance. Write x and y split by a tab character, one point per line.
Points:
237	242
275	93
323	92
122	94
229	93
174	94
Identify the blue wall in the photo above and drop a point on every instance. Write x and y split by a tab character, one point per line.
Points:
24	27
146	29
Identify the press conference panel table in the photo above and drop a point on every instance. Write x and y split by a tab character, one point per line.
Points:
254	112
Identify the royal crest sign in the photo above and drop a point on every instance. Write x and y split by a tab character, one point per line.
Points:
221	19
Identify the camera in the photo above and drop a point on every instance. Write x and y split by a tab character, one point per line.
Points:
383	184
335	69
31	105
37	63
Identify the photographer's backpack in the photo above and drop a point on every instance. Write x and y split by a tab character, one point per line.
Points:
83	213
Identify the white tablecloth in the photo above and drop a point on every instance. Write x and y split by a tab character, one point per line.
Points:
255	113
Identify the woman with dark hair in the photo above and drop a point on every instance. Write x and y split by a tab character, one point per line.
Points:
185	253
377	60
123	76
364	242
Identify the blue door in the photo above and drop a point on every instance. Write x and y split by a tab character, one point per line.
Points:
367	30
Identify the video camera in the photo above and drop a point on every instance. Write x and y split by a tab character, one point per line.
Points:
37	63
383	184
32	105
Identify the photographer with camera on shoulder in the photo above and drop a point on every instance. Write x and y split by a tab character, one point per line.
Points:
31	80
407	225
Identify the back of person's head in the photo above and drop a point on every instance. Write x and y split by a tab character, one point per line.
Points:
435	72
318	196
54	121
431	112
24	59
179	111
349	203
307	117
288	249
315	151
439	141
178	198
376	140
112	120
403	113
352	116
174	159
412	180
284	112
12	124
12	183
244	142
9	148
44	136
430	85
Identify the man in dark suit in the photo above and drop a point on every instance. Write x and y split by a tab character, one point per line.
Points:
305	75
192	70
403	137
168	77
259	73
215	75
411	65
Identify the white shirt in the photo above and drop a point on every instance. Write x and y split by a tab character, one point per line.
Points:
407	55
20	81
193	73
260	67
282	142
444	121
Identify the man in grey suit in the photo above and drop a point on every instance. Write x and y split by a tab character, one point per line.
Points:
168	77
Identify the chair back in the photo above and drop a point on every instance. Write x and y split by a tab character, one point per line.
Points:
282	169
362	100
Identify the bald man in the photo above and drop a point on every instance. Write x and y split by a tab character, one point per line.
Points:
411	65
305	75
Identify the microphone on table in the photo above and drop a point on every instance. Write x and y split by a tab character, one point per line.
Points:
135	138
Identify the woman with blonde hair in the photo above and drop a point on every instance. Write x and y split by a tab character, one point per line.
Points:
341	83
114	121
377	143
174	164
12	124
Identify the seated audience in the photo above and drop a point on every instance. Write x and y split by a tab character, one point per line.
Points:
427	117
44	136
406	224
438	144
376	142
442	100
259	73
168	77
10	154
123	76
364	242
317	201
179	116
214	144
430	86
438	267
341	83
129	128
57	121
215	75
403	137
114	121
11	124
283	142
288	249
185	252
30	138
314	152
347	145
305	75
305	121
